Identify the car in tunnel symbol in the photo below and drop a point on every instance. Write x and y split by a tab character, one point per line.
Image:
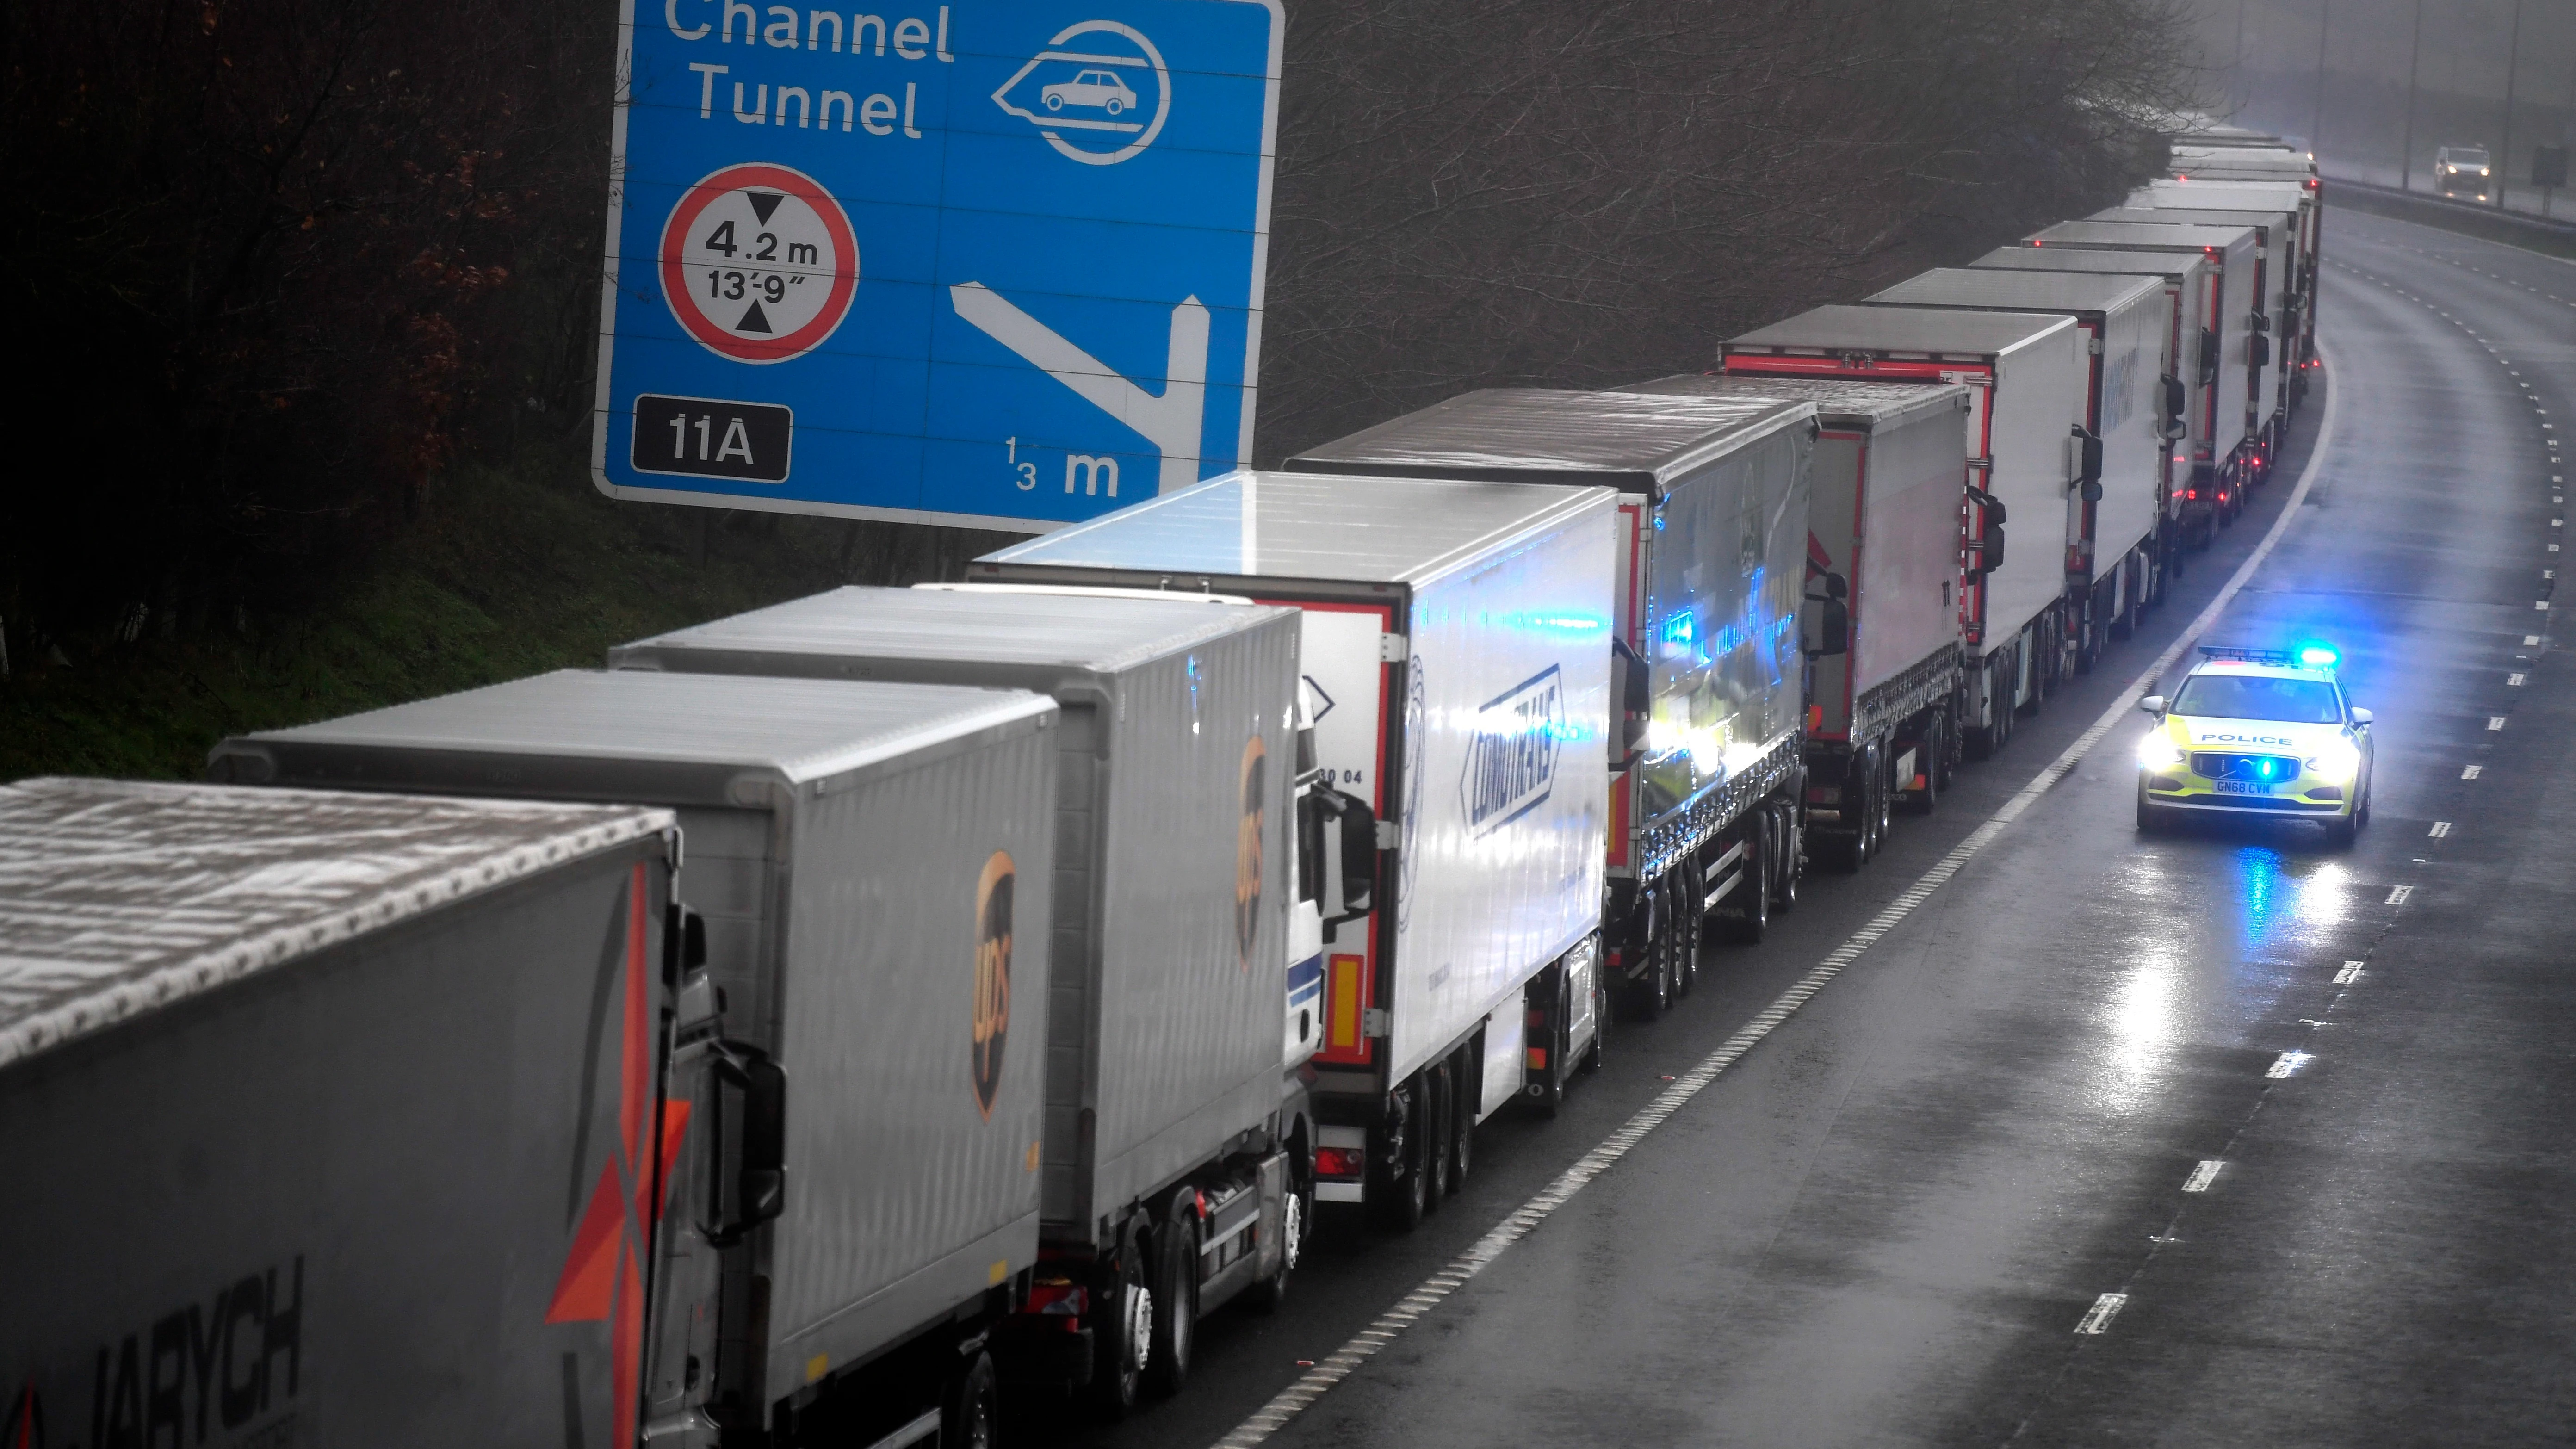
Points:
1097	89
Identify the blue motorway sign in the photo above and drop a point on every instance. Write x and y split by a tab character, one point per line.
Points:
996	262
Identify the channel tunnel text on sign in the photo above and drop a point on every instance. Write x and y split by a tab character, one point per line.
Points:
993	264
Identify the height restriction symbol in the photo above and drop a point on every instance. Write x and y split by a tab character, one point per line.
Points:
759	263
